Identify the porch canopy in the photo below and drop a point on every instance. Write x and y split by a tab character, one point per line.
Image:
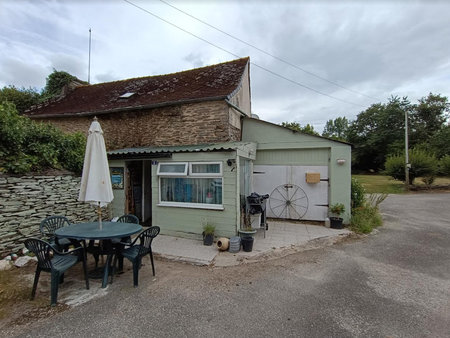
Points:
244	149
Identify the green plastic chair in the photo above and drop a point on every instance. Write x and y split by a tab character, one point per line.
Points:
135	252
55	262
48	227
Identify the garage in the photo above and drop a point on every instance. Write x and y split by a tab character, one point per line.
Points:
290	194
303	174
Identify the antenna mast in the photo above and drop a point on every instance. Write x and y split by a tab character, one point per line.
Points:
89	65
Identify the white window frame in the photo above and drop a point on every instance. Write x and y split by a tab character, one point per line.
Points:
190	175
205	175
159	173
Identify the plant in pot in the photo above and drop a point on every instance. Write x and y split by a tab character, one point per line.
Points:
336	210
208	234
247	233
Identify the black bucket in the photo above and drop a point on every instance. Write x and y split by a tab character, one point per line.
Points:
247	243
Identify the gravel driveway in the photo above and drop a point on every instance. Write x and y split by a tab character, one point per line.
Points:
395	283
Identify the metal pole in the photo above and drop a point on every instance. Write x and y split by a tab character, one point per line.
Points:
406	152
89	65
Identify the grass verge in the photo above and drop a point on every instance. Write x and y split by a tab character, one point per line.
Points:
380	184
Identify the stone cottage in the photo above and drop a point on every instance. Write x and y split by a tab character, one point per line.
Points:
184	150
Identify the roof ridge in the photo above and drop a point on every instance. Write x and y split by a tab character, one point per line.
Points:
167	74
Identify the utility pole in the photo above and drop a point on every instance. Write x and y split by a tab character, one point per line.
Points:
89	65
407	165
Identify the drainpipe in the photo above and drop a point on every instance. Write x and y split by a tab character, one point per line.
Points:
236	107
243	114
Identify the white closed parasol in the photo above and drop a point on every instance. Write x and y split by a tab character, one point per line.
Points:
96	185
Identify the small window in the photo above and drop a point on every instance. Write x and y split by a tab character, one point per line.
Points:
126	95
172	169
206	169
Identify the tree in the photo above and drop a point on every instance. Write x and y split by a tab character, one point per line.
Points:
440	142
56	82
428	117
26	145
308	129
22	98
377	132
423	164
336	129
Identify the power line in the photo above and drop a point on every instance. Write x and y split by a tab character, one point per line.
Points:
237	56
267	53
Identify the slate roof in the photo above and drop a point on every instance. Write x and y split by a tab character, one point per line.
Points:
200	84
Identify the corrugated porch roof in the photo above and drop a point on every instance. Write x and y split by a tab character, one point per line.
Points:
166	150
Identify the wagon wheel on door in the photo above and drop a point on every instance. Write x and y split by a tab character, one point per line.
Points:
288	201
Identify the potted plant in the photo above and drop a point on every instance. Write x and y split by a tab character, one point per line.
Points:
208	234
335	220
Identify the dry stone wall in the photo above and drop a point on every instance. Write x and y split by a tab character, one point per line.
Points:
25	201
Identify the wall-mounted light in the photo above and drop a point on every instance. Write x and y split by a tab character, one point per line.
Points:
340	161
231	161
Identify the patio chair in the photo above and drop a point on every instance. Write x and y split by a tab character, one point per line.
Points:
48	227
55	262
135	252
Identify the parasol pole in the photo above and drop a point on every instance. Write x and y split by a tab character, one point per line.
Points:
99	210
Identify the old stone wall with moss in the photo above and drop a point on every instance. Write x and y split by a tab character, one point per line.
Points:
25	201
185	124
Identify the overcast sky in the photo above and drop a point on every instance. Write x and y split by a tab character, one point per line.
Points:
370	49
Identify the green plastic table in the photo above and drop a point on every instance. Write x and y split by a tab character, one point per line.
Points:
92	231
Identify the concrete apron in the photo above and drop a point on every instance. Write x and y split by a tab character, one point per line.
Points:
282	238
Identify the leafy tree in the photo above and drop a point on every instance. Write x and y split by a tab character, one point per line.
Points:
444	166
423	164
428	117
56	82
308	129
28	146
22	98
377	132
336	129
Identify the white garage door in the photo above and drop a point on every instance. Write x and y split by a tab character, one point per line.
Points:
290	196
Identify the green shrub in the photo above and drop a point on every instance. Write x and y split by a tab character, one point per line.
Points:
357	194
365	219
423	164
28	146
444	166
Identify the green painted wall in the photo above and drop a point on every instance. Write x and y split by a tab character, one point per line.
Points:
188	222
277	145
317	156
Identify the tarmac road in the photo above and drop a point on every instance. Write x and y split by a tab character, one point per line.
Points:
395	283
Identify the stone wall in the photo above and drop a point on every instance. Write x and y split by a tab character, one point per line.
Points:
25	201
193	123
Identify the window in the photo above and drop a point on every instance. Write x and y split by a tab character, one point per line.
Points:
205	169
200	188
172	169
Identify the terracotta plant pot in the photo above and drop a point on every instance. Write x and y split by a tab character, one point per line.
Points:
223	243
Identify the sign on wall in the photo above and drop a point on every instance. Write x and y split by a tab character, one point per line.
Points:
116	177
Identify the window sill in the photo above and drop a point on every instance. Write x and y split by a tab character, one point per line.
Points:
192	206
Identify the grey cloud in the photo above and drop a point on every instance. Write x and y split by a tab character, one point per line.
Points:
106	77
70	64
21	74
195	59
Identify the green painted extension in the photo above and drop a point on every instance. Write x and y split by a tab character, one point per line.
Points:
281	146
